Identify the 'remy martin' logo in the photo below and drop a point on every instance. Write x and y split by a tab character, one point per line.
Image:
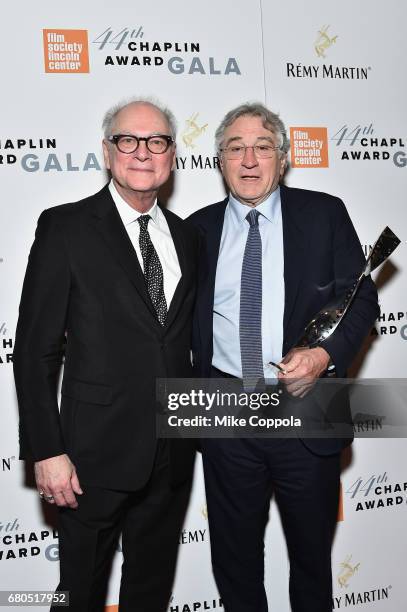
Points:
192	537
323	41
188	160
192	131
6	465
347	571
347	599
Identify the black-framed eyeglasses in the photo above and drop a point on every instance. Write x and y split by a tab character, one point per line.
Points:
237	151
127	143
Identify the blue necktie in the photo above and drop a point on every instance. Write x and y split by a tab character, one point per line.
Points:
251	305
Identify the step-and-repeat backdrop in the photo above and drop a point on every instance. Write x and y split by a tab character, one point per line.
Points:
336	73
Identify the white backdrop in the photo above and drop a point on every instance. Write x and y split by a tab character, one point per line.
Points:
336	73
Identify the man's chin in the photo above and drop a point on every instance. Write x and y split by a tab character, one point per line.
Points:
250	199
141	187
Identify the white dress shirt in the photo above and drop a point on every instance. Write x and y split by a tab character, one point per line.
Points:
160	237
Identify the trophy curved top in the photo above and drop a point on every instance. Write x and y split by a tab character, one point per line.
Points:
327	320
384	246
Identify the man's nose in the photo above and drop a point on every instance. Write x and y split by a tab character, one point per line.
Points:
249	158
142	153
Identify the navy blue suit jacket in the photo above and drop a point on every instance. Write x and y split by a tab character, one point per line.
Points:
322	257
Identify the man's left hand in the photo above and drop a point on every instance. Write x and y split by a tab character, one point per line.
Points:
302	367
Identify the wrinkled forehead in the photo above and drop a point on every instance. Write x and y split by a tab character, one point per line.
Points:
248	126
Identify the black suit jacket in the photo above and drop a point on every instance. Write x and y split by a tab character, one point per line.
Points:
322	257
84	297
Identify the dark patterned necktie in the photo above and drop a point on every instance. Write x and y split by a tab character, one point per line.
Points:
153	272
251	305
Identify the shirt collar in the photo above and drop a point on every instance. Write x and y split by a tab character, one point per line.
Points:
268	209
128	214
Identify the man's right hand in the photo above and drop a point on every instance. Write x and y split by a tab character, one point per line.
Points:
57	481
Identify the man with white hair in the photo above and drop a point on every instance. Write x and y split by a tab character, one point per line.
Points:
271	258
110	284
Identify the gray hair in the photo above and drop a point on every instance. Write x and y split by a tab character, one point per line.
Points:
112	113
271	121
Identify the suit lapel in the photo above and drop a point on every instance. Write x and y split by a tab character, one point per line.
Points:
108	223
179	244
212	245
295	224
211	237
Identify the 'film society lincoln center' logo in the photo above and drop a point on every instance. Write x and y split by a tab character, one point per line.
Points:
66	51
309	147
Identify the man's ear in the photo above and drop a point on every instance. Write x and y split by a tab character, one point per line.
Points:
283	164
106	154
174	158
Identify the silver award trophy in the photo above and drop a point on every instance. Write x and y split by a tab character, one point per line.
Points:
327	320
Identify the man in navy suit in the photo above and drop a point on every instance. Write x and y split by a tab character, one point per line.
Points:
271	258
